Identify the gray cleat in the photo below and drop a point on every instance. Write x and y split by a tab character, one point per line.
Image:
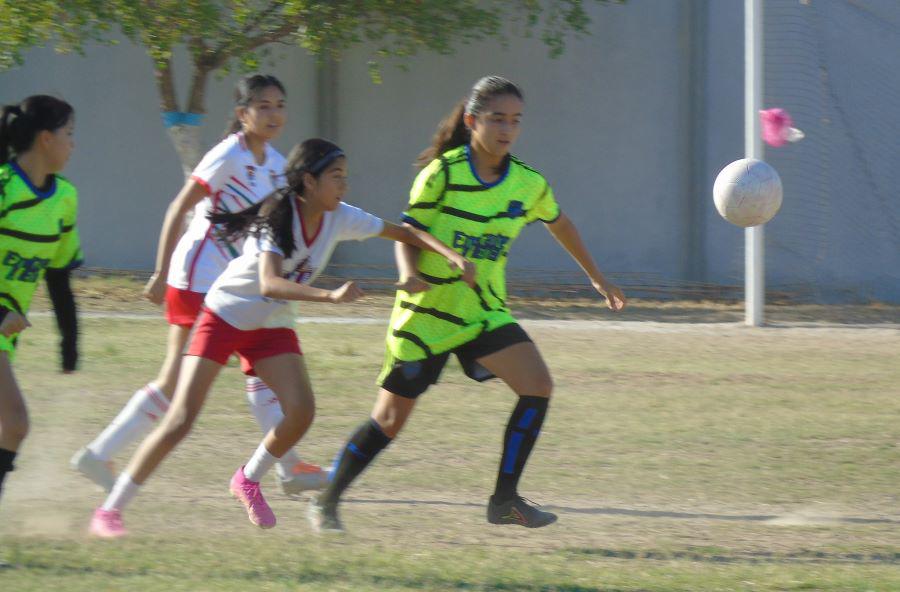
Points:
323	518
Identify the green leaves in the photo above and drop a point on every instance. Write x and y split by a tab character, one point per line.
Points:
225	32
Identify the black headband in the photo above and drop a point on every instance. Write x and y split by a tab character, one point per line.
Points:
326	160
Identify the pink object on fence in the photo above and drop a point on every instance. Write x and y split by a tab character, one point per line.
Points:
776	126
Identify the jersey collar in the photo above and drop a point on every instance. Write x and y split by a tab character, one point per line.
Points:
24	176
475	173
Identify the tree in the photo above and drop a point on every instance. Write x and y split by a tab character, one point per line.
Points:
226	34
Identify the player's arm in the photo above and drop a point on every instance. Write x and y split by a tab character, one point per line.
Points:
564	231
12	322
419	239
273	285
172	229
59	286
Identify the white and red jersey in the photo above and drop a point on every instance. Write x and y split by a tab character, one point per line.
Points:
236	297
234	182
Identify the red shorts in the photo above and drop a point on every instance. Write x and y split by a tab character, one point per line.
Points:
183	306
216	340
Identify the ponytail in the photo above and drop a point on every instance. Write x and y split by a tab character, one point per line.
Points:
452	131
20	124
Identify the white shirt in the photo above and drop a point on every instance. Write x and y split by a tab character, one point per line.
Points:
235	296
233	182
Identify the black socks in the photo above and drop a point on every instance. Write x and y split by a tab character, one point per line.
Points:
521	433
360	450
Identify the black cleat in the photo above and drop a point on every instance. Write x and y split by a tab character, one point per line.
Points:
323	517
518	511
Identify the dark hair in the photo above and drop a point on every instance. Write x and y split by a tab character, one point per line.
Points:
273	213
247	89
452	131
20	124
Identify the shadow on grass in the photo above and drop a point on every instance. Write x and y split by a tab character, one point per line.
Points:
641	513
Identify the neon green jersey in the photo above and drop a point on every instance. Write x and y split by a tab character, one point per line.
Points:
480	221
37	231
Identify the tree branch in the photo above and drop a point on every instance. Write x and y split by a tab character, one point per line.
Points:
165	85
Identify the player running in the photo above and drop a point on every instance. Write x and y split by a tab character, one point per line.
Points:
475	196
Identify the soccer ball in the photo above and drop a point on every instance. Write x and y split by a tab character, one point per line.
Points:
747	192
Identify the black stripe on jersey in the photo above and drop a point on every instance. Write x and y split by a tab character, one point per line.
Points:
466	215
413	222
22	205
35	238
11	299
494	294
480	217
415	339
433	279
65	228
523	165
458	187
481	299
444	316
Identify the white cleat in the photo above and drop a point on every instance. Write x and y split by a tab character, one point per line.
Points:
94	468
306	477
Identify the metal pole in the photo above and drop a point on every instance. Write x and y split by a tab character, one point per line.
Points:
754	261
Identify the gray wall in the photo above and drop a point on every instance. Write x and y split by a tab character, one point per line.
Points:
630	126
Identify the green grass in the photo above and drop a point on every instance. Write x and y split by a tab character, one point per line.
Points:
717	459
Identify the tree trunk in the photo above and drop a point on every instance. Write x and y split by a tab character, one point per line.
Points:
186	139
183	128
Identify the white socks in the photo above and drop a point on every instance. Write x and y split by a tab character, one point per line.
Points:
259	464
267	410
122	493
147	405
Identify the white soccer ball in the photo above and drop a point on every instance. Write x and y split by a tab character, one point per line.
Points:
747	192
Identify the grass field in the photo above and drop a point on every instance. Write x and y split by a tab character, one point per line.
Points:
679	456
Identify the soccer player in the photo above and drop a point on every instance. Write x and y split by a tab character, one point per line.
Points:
237	173
248	310
475	196
38	208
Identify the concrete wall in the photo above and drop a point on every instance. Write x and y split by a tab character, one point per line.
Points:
630	126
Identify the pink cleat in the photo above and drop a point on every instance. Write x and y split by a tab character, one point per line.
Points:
249	494
107	524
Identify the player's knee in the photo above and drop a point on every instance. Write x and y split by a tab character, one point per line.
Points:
178	425
542	387
15	427
299	413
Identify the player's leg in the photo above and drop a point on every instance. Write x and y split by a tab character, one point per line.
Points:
198	375
294	474
136	419
288	378
523	369
401	384
13	416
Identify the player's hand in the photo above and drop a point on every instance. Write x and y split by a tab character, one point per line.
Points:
346	293
13	323
615	299
155	289
467	268
412	285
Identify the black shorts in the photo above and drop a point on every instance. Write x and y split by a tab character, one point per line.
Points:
411	379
